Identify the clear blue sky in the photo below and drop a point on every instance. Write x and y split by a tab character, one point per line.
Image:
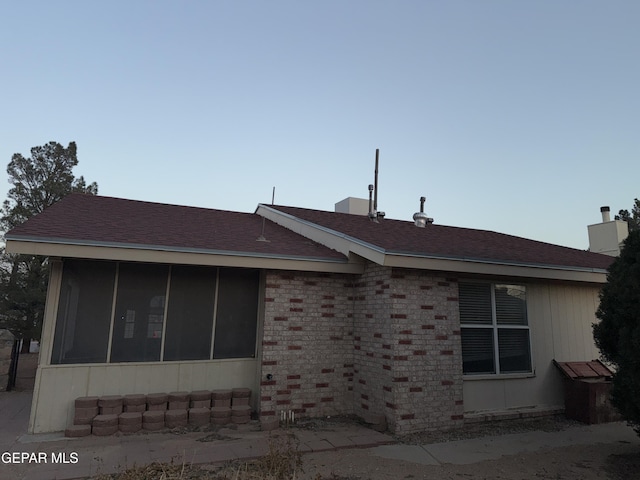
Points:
518	117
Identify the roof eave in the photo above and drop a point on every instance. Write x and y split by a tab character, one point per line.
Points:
175	255
347	244
490	267
341	242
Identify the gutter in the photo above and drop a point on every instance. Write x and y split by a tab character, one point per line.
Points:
162	248
499	262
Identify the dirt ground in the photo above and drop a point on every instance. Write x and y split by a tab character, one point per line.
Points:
614	461
595	462
610	462
618	461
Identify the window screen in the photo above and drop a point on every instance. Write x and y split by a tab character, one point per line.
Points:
237	313
190	313
139	314
84	312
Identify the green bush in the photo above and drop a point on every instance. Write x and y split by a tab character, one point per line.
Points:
617	335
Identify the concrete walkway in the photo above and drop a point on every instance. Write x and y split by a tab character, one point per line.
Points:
476	450
51	456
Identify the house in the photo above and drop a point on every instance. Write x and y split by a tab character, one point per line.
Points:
319	313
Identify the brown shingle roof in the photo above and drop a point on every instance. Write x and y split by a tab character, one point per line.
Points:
88	219
402	237
107	221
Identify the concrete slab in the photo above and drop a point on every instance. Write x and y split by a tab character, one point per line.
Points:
319	445
15	408
465	452
43	438
339	440
248	449
407	453
363	439
219	453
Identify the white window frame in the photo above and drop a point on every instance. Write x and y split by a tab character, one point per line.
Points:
495	327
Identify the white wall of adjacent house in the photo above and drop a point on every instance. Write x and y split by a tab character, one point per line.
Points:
607	236
560	320
355	206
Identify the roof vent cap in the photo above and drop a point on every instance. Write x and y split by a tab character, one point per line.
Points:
420	218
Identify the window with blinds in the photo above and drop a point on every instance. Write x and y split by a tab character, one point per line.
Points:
495	329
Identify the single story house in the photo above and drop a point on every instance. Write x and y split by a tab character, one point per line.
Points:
319	313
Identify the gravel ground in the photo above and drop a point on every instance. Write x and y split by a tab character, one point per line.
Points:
551	423
554	423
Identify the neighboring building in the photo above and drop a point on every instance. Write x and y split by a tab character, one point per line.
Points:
357	206
607	237
321	313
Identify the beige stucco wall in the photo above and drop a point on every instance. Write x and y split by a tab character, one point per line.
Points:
58	386
560	319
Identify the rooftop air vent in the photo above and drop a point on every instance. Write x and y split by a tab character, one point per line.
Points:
421	218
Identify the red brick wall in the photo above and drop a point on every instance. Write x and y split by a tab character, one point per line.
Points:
373	344
387	341
407	351
307	344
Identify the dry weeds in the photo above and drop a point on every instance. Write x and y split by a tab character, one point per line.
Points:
283	461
